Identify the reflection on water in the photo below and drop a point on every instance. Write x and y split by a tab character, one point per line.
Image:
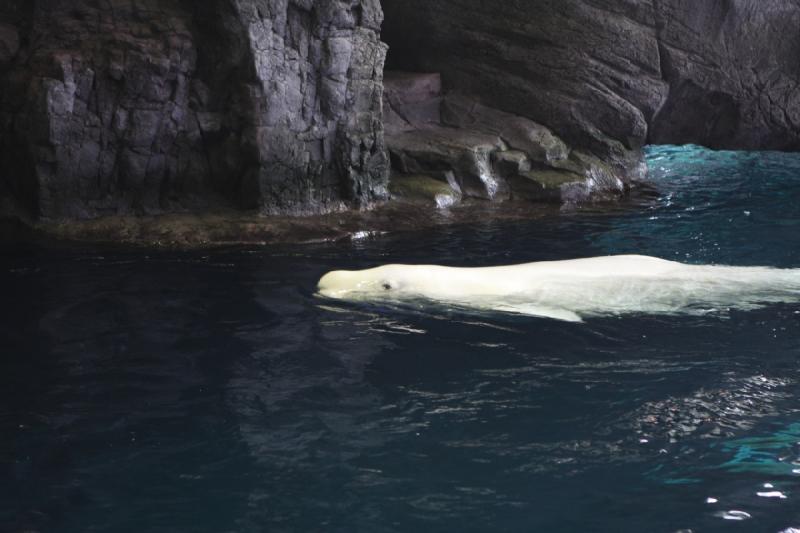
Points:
737	404
777	453
215	392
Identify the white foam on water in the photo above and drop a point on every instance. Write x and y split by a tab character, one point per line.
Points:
734	515
772	494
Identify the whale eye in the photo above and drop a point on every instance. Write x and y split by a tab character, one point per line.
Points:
386	286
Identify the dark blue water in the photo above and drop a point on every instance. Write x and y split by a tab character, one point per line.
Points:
211	391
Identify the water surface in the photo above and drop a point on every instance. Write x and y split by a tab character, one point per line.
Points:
211	391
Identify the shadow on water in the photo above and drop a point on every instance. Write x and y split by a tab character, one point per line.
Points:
116	358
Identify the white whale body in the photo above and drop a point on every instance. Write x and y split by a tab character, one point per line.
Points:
574	289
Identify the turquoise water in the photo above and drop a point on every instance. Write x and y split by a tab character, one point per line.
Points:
211	391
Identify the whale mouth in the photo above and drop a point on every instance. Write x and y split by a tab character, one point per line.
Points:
337	285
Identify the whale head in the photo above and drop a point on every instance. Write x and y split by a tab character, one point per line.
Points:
385	281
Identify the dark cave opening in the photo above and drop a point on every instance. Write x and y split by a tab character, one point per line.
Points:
403	32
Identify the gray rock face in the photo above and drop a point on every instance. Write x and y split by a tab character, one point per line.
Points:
607	76
483	152
733	71
588	71
162	105
149	106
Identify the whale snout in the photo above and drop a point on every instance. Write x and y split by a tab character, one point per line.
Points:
345	284
335	284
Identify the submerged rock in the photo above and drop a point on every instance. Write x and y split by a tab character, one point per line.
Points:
413	212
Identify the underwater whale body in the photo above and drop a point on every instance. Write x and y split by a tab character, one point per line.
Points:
573	290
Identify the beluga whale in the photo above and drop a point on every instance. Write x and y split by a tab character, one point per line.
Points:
573	290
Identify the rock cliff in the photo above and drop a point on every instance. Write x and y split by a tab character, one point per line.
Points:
608	76
142	106
152	106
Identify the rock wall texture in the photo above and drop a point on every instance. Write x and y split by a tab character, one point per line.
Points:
608	76
479	151
733	67
142	106
114	107
588	70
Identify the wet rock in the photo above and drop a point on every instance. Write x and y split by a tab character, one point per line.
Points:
491	154
236	227
465	153
425	189
546	185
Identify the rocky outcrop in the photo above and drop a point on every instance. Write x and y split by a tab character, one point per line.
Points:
481	152
154	105
276	106
588	71
608	76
